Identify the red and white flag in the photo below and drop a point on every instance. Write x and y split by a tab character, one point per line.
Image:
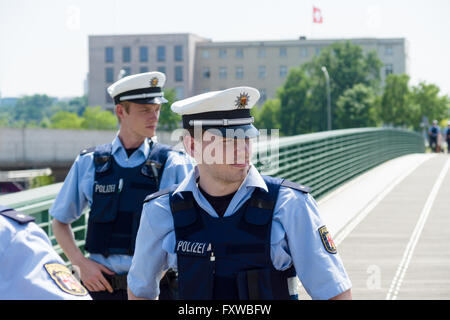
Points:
317	15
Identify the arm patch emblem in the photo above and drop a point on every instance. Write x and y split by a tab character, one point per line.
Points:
64	279
327	241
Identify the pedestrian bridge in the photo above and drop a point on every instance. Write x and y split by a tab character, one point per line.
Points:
386	203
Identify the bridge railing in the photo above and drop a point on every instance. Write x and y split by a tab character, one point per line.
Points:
322	161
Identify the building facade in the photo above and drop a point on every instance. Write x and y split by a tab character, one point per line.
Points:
194	65
172	54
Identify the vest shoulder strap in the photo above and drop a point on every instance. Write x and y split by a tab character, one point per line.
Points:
102	157
15	215
87	150
296	186
160	193
159	154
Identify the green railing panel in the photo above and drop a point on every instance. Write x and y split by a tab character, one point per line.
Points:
322	161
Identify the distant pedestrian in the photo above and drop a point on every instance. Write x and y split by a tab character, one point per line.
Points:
433	134
447	136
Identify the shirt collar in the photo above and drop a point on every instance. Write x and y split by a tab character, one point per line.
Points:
253	179
144	147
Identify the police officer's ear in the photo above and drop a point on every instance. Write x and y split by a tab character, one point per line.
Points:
121	108
192	142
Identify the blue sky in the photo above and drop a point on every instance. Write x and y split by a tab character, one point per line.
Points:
44	44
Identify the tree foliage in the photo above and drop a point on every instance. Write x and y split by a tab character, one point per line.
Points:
94	118
167	118
303	96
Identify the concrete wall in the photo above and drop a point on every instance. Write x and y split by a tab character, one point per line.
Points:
32	148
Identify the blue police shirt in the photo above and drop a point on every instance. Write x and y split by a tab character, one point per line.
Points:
77	190
29	267
295	239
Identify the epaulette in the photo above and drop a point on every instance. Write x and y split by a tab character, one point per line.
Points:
296	186
161	193
87	150
15	215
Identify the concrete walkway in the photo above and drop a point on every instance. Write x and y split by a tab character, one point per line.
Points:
392	229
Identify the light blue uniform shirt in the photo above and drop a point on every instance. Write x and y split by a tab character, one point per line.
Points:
77	190
24	251
295	239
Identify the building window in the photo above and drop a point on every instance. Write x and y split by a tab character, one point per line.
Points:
143	69
205	54
388	51
263	96
162	69
317	51
126	54
283	71
222	53
283	52
161	54
239	53
239	72
303	52
222	72
178	53
143	54
388	69
206	73
178	73
109	54
261	52
262	72
179	92
109	75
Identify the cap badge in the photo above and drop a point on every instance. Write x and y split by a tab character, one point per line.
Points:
154	82
242	100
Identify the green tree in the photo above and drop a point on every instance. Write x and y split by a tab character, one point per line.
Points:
94	118
355	107
296	114
303	96
65	120
167	118
396	106
32	107
429	103
268	117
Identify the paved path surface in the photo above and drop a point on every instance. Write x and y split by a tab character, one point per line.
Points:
396	245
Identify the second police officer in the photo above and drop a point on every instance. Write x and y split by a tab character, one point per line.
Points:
230	232
113	179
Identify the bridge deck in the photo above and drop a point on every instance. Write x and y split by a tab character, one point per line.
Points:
396	245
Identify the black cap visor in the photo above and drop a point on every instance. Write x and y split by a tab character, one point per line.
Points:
235	132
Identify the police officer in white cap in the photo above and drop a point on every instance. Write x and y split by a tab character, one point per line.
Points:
230	232
30	268
113	180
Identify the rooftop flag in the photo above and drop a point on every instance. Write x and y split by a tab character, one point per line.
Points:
317	15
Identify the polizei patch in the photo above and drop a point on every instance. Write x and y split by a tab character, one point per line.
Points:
192	248
105	188
64	279
327	241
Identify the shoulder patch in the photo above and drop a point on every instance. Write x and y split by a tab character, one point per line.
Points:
64	279
327	241
17	216
160	193
87	150
296	186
